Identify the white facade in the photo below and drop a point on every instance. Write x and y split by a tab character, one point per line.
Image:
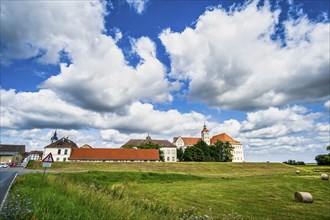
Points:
169	154
59	154
237	152
34	156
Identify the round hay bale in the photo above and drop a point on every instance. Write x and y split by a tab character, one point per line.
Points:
324	176
297	171
303	197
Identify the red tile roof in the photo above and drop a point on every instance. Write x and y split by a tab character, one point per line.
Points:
113	154
188	141
224	138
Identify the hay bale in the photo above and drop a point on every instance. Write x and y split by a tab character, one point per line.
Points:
324	176
297	171
303	197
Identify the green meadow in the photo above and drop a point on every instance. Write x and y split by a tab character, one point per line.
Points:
169	191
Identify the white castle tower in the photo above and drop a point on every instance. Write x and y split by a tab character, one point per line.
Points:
206	135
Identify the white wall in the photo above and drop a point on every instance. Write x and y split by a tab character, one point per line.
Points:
56	156
169	154
238	155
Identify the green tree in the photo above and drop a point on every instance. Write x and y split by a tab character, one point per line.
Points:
179	154
323	159
225	150
214	153
129	146
205	149
193	154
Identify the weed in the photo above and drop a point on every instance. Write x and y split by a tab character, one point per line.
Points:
192	214
17	206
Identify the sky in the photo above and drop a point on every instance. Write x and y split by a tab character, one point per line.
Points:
104	72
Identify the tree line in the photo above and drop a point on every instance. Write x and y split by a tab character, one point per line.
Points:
201	152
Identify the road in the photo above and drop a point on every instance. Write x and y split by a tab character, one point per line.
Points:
6	177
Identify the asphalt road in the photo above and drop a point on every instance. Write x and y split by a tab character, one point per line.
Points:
6	177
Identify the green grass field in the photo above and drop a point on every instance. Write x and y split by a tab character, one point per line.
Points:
169	191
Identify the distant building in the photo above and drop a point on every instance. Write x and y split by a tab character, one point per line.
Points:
166	147
114	155
60	149
86	146
10	153
35	155
184	142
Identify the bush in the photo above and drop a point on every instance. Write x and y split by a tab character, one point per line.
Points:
293	162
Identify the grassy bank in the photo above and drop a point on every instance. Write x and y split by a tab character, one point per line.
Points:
215	191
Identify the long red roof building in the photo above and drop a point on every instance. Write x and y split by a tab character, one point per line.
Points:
108	154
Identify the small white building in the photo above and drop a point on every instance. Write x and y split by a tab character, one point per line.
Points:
60	149
184	142
35	155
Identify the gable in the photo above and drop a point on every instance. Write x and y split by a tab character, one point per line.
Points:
62	143
190	141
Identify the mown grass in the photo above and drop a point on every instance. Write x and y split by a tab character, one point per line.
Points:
190	168
263	191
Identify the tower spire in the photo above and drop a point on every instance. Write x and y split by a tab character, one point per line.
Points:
54	138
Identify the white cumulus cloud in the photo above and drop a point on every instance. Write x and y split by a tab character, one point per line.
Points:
45	28
100	79
230	60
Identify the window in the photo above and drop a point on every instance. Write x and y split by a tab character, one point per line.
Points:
173	151
64	159
66	151
57	159
173	159
168	159
168	152
59	151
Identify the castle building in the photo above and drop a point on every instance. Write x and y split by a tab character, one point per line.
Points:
184	142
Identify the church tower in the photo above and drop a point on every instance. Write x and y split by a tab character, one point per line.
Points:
54	138
206	135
